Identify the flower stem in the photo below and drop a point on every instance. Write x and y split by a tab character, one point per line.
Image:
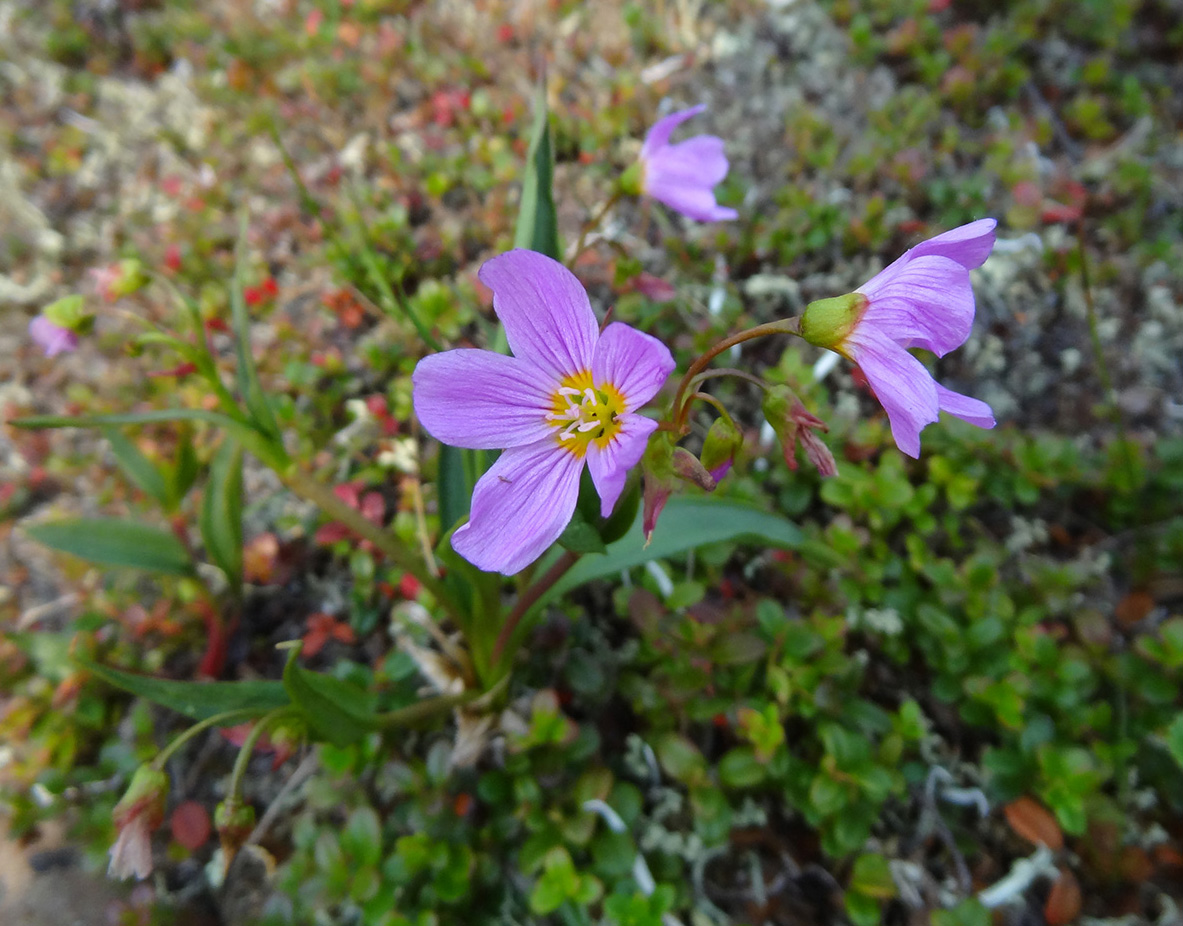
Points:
224	719
783	326
266	722
527	599
728	371
590	225
327	501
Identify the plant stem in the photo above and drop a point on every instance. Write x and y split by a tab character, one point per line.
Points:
327	501
728	371
783	326
527	599
590	225
266	722
224	719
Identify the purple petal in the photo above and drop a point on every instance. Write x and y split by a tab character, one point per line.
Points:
927	302
548	319
635	363
519	507
53	339
968	409
659	136
609	465
683	177
969	245
482	400
901	383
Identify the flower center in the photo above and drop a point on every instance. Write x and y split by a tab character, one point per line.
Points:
584	412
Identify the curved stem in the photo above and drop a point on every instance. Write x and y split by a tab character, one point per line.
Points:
224	719
527	599
327	501
728	371
783	326
590	225
266	722
710	400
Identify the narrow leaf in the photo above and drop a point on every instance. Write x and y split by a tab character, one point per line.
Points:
265	449
143	473
221	513
454	489
248	375
196	700
336	710
113	542
538	225
687	522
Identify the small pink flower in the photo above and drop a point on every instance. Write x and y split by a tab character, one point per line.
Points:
131	856
569	395
138	813
924	299
53	339
683	176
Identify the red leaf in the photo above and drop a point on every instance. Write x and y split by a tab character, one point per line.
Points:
1035	823
190	825
1063	903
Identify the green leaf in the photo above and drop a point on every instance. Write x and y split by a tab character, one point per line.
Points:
114	542
453	487
195	700
221	513
336	710
687	522
184	471
740	768
143	473
1175	739
266	449
248	375
538	224
579	536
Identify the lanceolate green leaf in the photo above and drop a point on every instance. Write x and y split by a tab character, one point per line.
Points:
686	523
538	225
196	700
248	376
113	542
267	450
336	710
138	468
453	487
221	512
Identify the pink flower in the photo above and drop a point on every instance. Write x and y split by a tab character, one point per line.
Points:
683	176
138	813
923	299
568	395
53	339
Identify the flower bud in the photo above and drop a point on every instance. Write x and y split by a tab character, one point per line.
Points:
234	822
723	442
827	322
792	423
663	465
138	813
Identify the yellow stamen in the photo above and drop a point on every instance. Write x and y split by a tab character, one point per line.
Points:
585	413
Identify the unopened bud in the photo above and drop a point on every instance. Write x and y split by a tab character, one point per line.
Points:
234	822
723	442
